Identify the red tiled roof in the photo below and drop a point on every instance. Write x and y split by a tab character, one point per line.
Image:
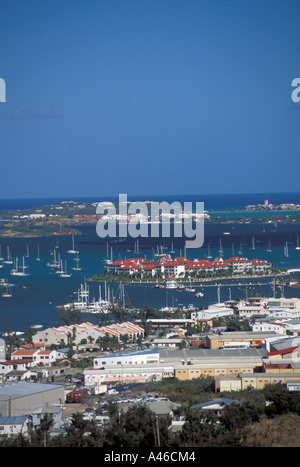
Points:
283	351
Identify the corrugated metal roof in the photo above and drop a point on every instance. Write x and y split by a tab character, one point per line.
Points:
13	420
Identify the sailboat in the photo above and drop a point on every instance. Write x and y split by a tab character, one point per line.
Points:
77	268
60	270
172	248
241	248
73	251
297	246
286	250
208	256
65	272
16	271
9	257
253	243
54	263
221	249
137	248
7	293
1	258
38	254
189	289
269	248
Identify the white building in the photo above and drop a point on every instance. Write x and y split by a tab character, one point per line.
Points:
138	357
264	326
13	426
127	374
35	357
282	312
212	313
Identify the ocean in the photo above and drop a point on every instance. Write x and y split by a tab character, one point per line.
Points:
35	297
211	201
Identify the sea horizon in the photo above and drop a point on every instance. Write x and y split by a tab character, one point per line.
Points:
211	201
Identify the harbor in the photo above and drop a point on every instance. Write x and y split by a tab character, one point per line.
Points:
57	266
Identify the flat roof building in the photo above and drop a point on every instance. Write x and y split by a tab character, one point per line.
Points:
21	398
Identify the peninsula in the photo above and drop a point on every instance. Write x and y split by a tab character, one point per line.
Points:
66	217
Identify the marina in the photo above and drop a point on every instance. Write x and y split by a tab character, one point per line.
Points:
34	298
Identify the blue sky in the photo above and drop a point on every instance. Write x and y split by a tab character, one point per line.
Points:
149	97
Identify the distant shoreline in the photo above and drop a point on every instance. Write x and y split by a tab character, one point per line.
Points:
66	217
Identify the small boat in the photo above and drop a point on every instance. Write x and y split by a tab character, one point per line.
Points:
269	248
199	294
297	246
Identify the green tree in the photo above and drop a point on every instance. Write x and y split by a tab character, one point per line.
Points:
69	316
199	429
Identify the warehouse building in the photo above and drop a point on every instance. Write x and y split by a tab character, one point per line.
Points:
254	339
22	398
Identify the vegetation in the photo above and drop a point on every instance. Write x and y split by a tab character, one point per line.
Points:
263	418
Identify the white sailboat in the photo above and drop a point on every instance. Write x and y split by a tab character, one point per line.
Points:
38	254
221	249
7	293
189	289
65	272
73	251
241	248
286	250
269	247
1	257
77	267
208	256
136	247
9	257
55	263
297	246
60	270
17	271
253	243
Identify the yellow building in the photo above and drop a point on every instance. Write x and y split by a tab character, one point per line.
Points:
254	380
255	339
188	372
228	383
259	380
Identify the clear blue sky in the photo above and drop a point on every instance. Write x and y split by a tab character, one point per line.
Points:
149	97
